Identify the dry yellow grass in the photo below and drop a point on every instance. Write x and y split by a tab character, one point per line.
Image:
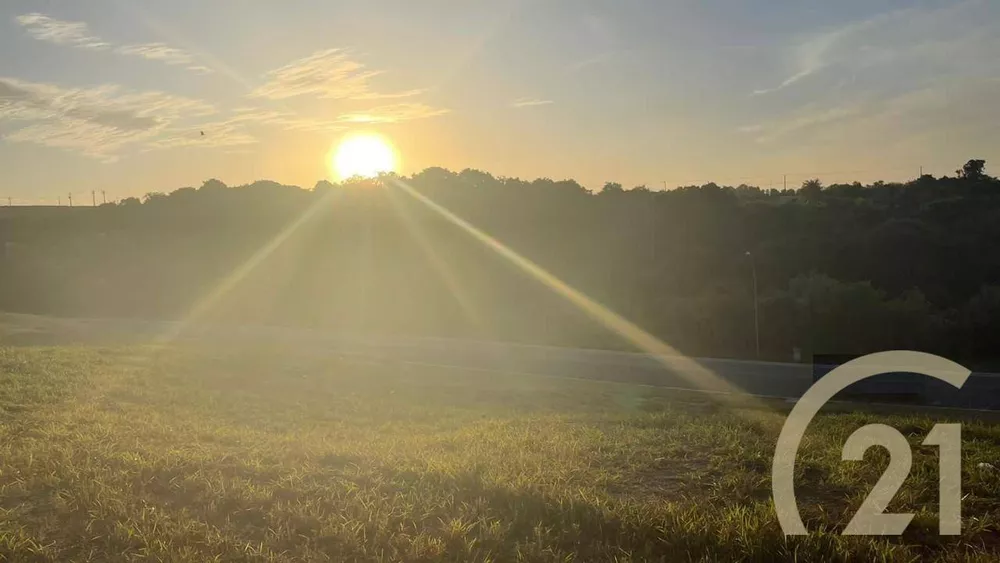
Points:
135	453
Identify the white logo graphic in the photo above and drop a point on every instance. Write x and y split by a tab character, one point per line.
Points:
871	518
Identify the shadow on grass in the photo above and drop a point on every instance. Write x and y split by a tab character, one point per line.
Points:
351	510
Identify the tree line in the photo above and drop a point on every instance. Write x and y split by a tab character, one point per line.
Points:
840	269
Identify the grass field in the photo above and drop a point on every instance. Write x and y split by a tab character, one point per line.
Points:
176	454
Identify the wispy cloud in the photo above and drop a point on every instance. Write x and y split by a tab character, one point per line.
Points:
238	128
907	77
44	28
590	62
529	102
801	121
393	113
104	121
790	80
327	74
954	38
284	120
77	34
811	55
158	52
960	109
332	74
98	122
87	138
214	134
394	96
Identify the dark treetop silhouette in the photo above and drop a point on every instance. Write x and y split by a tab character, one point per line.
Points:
845	268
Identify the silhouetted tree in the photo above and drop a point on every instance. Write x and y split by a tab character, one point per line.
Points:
612	188
811	189
974	169
212	185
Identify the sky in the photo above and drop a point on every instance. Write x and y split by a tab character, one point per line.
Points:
114	95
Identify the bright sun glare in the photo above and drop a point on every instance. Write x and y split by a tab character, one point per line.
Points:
365	155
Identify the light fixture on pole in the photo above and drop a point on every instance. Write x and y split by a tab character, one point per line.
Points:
756	306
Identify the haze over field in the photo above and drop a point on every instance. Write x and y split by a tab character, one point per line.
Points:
498	280
840	269
134	97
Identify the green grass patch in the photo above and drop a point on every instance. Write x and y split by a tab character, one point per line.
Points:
121	454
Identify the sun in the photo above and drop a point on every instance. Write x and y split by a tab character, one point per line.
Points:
366	155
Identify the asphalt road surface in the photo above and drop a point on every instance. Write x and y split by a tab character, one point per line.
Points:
770	379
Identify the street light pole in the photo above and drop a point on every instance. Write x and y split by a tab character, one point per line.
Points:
756	306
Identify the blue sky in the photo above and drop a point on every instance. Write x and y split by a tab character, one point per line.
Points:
113	94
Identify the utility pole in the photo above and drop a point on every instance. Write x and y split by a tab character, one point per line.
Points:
71	199
756	308
664	185
784	181
93	198
921	172
104	196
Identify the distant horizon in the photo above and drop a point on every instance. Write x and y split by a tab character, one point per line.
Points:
792	185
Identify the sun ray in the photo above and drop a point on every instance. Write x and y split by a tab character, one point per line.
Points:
666	355
440	266
205	304
696	374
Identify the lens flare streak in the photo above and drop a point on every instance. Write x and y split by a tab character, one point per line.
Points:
666	355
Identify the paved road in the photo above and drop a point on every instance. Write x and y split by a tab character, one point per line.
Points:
772	379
